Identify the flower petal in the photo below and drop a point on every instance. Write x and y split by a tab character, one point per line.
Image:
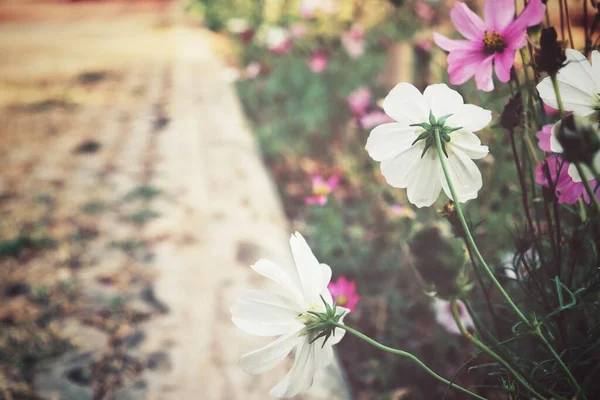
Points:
463	64
388	140
397	171
425	185
503	63
266	358
471	117
301	375
498	14
265	314
451	45
406	104
309	269
483	75
555	145
274	272
531	15
467	22
464	174
469	144
442	100
596	66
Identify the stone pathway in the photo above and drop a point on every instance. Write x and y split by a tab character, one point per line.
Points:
160	202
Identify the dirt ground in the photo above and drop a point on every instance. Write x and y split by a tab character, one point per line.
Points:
122	238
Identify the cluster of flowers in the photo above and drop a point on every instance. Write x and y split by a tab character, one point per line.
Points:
426	144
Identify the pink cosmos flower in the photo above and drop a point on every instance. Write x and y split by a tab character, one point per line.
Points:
278	40
404	211
359	101
567	190
298	30
253	69
424	11
318	61
373	118
353	41
344	293
494	40
321	189
444	317
544	137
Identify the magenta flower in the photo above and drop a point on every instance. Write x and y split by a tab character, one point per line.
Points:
344	293
321	189
318	61
493	41
359	101
544	136
567	190
353	41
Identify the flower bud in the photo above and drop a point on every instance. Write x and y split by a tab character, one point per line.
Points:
550	56
579	138
511	116
440	257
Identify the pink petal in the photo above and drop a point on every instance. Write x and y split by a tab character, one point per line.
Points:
531	15
503	62
463	64
467	22
483	75
498	14
333	181
451	45
544	138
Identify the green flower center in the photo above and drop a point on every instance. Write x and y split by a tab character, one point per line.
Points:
429	130
493	43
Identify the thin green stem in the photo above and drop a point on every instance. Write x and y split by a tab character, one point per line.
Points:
561	108
471	242
481	346
469	237
410	356
588	188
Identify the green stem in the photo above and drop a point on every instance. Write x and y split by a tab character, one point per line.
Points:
561	108
412	357
588	188
471	242
469	237
481	346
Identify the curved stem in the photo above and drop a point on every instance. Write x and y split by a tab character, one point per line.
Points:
471	242
469	237
402	353
588	188
481	346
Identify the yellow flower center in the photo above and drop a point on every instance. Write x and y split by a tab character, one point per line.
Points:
321	190
493	43
341	300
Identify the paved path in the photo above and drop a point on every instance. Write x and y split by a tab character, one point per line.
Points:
128	112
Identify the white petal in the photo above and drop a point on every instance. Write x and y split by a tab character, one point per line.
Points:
406	104
309	269
397	171
596	66
555	145
471	117
265	314
464	174
274	272
469	143
388	140
576	84
266	358
301	375
442	100
425	185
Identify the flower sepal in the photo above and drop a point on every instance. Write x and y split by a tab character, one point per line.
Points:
322	324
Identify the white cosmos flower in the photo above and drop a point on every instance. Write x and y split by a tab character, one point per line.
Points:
579	87
402	163
284	313
443	315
